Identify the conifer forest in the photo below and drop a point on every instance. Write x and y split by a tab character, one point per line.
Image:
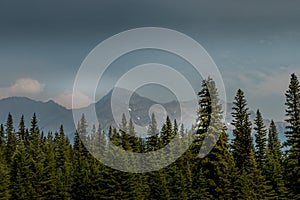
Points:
255	164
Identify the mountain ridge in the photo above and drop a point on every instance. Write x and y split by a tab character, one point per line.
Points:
51	114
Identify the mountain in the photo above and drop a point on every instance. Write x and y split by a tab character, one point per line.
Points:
51	115
139	109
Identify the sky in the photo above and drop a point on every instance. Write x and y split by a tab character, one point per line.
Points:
255	44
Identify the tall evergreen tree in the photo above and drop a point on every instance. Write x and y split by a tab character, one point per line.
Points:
152	141
11	139
80	170
136	145
260	139
22	129
4	170
217	164
49	183
21	175
250	182
34	129
124	126
242	143
82	129
166	133
63	164
293	136
204	116
2	138
37	153
273	168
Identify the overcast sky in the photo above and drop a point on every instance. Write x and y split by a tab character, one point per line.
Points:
255	44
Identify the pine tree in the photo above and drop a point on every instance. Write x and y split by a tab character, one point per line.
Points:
49	183
166	133
242	143
136	145
152	141
63	164
22	175
293	136
124	127
249	182
79	172
4	170
11	139
22	129
204	116
123	140
82	129
158	185
34	129
217	164
35	150
260	139
273	168
2	138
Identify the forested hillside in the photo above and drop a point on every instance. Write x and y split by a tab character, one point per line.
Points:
38	165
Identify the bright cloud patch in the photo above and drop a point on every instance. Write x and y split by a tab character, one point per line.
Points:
65	99
25	87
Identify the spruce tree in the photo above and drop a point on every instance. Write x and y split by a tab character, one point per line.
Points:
292	162
124	126
36	151
273	168
218	163
204	116
22	174
22	128
242	146
63	164
2	138
34	126
136	145
166	133
260	139
4	170
152	141
80	174
50	182
249	182
11	139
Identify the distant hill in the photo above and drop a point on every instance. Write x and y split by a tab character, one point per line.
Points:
51	115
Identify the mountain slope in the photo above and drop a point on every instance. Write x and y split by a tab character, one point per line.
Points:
51	115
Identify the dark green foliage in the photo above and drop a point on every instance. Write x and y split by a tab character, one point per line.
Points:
250	181
21	175
217	166
4	170
153	139
63	165
242	146
167	133
292	161
22	130
11	139
38	166
273	168
2	138
260	139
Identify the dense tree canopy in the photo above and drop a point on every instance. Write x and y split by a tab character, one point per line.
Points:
37	165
